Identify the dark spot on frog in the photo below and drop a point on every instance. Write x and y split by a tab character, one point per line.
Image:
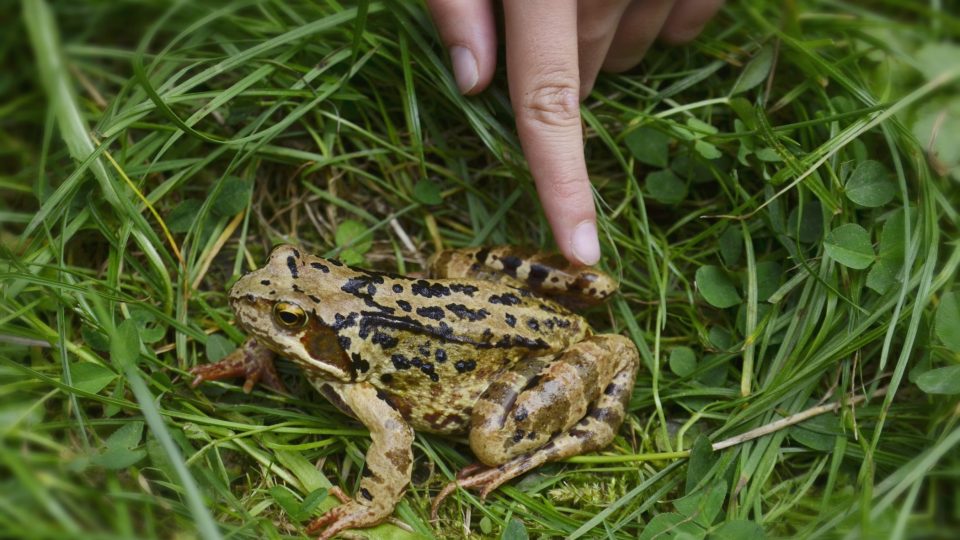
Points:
487	335
341	322
521	341
424	349
518	436
463	312
440	355
366	494
431	312
533	325
538	273
544	307
344	342
606	415
296	252
265	282
581	434
463	366
297	289
535	380
426	289
532	435
385	397
359	363
506	299
520	415
400	458
611	389
404	305
385	340
511	320
400	362
355	286
444	330
386	378
510	264
315	299
366	472
273	293
464	289
397	288
292	266
334	262
427	369
554	279
482	255
321	267
416	362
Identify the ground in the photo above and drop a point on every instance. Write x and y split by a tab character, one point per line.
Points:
779	201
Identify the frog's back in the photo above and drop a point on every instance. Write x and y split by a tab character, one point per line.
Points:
433	345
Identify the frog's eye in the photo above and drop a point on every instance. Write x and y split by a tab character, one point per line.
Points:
290	316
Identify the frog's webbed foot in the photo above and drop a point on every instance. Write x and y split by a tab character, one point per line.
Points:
349	515
252	361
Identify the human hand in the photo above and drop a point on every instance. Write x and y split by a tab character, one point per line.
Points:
555	49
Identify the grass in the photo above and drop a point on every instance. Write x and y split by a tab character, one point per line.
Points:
785	236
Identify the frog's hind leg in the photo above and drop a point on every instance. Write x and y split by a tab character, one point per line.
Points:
575	404
548	274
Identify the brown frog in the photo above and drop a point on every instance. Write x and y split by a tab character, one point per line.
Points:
483	347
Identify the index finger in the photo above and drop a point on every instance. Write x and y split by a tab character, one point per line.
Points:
541	43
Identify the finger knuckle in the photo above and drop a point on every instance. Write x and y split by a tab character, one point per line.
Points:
554	101
567	187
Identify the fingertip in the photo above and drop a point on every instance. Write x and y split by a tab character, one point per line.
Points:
465	69
585	244
467	29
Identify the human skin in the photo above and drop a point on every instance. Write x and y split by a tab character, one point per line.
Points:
555	50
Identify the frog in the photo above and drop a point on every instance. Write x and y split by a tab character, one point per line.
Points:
489	344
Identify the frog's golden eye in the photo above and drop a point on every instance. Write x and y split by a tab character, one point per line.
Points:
288	315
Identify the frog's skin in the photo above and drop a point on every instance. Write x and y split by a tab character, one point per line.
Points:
479	348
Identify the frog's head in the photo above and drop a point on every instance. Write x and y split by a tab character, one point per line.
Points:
280	304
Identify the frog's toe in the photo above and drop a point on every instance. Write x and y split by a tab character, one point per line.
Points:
470	470
475	476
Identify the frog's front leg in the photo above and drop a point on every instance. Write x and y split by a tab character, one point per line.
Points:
547	410
549	274
252	361
389	462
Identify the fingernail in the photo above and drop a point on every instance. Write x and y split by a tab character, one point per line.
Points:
464	68
584	243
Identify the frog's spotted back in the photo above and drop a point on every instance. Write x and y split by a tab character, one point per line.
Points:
547	274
